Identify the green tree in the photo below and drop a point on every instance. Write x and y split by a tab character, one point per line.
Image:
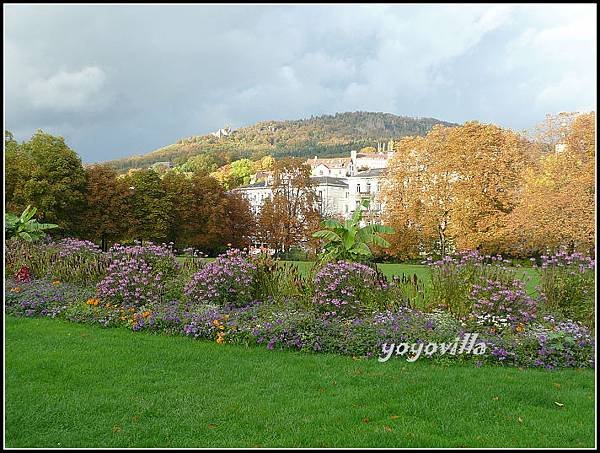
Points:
55	182
202	164
18	167
149	206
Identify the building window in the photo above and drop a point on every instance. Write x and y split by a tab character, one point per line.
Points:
320	194
346	194
346	208
320	172
368	187
358	188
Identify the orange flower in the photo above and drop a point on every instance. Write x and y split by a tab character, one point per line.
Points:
93	302
16	289
220	338
216	323
56	282
146	314
520	328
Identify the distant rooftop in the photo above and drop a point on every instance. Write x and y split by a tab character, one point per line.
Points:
329	181
369	173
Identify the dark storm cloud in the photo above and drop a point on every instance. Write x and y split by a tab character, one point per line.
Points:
122	80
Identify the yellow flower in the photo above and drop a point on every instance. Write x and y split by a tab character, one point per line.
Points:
16	289
146	314
520	328
92	301
220	338
56	282
216	322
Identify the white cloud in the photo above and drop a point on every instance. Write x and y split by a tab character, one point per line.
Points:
69	91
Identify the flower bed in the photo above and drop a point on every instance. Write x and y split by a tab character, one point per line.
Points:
346	308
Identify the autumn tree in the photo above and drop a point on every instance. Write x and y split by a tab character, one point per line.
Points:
106	214
239	225
418	194
290	216
556	204
453	188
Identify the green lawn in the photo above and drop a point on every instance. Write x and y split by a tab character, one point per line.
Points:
71	385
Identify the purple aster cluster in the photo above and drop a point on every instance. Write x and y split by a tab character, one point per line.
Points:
71	246
137	274
226	280
505	301
338	287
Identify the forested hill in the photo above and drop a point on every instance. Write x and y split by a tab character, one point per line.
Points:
327	135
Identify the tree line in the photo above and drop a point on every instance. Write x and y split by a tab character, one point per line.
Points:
479	186
475	186
96	203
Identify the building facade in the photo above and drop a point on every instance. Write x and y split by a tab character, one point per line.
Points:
340	185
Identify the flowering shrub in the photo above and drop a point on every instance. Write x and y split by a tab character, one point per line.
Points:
567	284
345	289
70	260
452	279
71	246
42	297
548	343
227	280
138	275
499	304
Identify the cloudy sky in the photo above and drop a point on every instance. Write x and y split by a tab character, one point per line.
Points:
123	80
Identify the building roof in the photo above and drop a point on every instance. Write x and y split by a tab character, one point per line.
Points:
334	162
380	156
329	181
369	173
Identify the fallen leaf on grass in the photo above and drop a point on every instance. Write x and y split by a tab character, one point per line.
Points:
496	398
557	385
211	426
365	420
558	404
117	429
520	420
394	417
388	429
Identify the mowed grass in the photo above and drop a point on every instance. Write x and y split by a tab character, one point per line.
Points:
71	385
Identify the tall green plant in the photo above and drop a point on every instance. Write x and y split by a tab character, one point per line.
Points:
25	226
349	241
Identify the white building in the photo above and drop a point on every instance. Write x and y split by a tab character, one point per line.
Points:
339	183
